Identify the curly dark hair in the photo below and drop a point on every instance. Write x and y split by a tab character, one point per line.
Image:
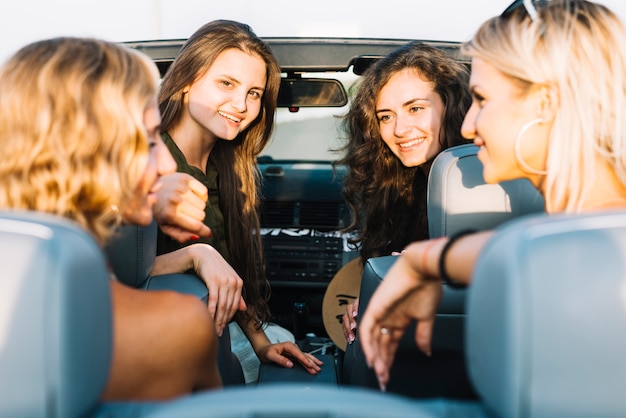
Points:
387	199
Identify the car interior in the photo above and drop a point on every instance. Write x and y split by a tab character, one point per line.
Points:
524	340
533	340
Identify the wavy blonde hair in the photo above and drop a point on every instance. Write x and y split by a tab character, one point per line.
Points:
577	47
71	129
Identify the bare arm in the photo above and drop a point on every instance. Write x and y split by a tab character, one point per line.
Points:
279	353
223	282
423	257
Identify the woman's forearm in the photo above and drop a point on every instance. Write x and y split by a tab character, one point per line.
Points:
177	261
424	256
257	337
462	257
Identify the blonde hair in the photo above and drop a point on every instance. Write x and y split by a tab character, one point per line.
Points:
577	48
71	129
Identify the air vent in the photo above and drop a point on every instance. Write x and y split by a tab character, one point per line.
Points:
321	215
278	214
316	215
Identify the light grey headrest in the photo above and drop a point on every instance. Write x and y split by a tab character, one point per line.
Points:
459	198
546	318
55	318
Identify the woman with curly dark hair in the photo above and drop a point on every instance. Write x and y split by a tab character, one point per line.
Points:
408	107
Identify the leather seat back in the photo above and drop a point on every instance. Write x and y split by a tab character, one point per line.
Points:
546	318
459	198
132	252
55	317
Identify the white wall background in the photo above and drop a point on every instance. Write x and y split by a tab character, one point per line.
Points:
23	21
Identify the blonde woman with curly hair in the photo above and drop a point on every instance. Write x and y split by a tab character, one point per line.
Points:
79	132
534	115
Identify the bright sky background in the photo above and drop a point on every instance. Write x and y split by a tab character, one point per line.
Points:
23	21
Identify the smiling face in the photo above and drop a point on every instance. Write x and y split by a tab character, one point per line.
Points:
498	114
228	97
409	114
138	210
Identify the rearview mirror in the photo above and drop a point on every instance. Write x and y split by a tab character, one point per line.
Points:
311	92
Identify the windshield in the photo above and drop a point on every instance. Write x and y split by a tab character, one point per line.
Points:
312	133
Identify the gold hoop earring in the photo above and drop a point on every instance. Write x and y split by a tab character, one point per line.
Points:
518	152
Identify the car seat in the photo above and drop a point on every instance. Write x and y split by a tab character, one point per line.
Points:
457	198
546	318
55	322
131	255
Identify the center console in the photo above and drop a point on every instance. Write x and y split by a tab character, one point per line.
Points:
299	265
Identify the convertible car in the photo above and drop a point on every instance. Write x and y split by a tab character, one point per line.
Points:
539	333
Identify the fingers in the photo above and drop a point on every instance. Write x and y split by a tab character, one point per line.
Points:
191	207
282	353
232	306
180	207
382	343
179	234
379	341
317	364
198	189
190	220
346	327
242	304
224	301
423	335
203	231
190	234
366	334
222	311
348	321
212	305
388	341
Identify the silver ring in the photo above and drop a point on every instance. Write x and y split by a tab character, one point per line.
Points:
384	330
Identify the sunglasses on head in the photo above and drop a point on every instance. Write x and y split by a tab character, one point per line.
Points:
529	5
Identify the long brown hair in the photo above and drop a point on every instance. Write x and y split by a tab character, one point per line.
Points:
235	160
387	199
